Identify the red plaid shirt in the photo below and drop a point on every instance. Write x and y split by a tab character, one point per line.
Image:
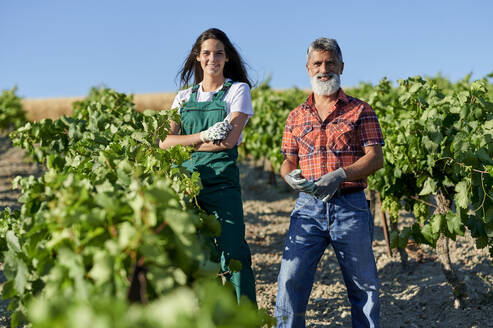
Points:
338	141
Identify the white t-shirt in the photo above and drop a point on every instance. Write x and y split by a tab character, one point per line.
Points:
238	99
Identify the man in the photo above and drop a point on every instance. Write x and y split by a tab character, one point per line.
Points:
337	142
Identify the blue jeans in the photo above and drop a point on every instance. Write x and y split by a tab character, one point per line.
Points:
346	223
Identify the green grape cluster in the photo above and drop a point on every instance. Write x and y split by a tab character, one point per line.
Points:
421	212
392	206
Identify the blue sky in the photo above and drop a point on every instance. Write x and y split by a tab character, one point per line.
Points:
62	48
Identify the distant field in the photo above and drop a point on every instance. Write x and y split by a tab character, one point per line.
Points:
53	108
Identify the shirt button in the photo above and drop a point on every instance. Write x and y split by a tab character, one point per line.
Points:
322	147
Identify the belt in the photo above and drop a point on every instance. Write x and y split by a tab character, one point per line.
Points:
348	190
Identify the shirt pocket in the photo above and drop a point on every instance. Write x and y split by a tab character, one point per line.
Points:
341	135
305	138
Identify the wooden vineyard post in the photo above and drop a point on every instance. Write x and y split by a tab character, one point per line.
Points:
384	225
269	168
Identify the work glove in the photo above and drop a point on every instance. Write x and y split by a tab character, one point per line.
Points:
328	184
217	132
298	183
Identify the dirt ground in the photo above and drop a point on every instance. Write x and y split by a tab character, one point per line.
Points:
416	296
12	164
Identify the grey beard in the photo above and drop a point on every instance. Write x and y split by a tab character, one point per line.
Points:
325	88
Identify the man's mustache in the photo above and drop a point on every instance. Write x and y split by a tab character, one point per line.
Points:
327	75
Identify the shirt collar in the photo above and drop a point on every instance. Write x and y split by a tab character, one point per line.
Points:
201	90
341	96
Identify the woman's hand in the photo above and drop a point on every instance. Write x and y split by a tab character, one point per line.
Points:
238	121
217	132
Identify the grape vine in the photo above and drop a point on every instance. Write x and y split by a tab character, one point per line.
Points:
111	225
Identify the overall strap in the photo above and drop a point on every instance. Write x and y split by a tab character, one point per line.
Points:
221	93
194	95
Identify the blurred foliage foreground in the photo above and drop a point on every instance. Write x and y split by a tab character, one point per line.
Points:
110	235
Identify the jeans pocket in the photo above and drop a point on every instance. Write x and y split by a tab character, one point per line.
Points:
300	203
356	201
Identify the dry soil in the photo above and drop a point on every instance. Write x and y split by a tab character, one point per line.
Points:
416	296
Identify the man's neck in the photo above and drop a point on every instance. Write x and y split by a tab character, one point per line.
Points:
324	103
326	100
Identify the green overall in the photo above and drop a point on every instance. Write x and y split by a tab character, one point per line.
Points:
221	193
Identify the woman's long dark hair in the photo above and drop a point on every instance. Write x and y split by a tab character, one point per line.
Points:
233	69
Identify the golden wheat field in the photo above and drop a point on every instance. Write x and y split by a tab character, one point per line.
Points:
37	109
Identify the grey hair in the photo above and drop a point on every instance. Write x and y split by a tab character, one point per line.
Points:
325	44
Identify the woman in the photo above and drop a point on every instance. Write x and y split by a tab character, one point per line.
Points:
213	114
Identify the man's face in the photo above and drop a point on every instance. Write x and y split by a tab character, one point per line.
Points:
323	62
324	70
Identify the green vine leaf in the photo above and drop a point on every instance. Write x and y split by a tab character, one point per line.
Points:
462	196
429	187
454	223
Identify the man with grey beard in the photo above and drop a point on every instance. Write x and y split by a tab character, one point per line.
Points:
331	143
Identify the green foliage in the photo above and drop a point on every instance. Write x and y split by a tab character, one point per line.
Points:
11	112
111	204
263	133
204	305
438	141
235	265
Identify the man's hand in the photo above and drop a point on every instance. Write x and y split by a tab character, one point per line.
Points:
217	132
298	183
328	184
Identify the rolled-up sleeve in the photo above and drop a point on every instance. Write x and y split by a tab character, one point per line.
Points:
242	100
369	129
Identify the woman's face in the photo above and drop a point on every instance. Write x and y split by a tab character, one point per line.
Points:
212	57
